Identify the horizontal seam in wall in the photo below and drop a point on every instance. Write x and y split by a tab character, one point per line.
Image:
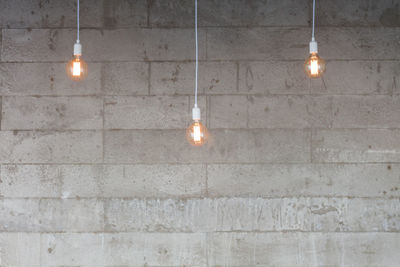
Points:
204	61
204	232
211	197
202	163
244	94
190	27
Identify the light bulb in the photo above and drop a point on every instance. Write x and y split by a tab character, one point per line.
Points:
196	133
314	66
77	69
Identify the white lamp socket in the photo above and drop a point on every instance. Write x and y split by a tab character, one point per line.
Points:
77	49
313	46
196	113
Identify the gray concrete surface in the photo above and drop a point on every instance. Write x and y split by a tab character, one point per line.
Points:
297	172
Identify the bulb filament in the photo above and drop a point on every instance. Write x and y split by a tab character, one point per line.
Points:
314	67
196	133
76	68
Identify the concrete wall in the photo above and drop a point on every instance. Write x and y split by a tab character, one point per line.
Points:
297	172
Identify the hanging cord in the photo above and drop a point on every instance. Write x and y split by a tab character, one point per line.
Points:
197	53
77	21
313	20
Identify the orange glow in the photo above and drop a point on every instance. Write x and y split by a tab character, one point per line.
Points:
314	66
197	134
77	69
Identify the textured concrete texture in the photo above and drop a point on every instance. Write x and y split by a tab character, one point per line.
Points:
296	172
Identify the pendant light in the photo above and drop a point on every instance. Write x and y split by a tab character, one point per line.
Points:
314	65
77	67
196	133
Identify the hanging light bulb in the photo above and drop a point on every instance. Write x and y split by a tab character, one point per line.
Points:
196	133
314	65
77	68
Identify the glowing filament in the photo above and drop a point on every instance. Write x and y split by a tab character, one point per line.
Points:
314	67
196	133
76	69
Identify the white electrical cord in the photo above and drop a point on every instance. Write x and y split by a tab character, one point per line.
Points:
77	21
197	53
313	20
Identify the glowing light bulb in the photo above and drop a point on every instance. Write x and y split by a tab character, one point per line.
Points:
314	66
77	69
197	133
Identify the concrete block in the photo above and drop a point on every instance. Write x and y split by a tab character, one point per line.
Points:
305	111
286	77
36	79
34	181
125	78
229	111
173	78
19	249
357	145
125	249
155	215
273	77
358	13
372	215
123	13
55	14
322	111
146	146
303	249
281	180
178	78
307	214
292	43
365	111
51	215
279	112
358	78
170	146
229	13
19	215
49	14
139	181
218	77
27	113
71	215
38	45
50	147
81	181
257	43
252	214
135	44
96	181
141	249
333	214
151	112
71	249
